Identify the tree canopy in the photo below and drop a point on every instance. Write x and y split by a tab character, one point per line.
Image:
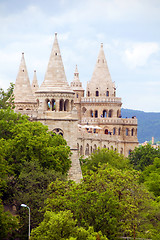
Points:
7	98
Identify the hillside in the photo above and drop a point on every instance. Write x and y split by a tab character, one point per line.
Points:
148	124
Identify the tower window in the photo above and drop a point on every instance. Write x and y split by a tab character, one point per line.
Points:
77	95
107	93
96	114
88	93
97	93
56	54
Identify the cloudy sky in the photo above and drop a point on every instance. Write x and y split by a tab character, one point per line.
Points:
129	30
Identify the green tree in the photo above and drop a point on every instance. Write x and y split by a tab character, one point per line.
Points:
151	177
62	226
95	160
143	156
8	223
7	98
111	200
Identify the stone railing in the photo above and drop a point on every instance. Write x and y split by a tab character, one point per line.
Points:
129	121
100	100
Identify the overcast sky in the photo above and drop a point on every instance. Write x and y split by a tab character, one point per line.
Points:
129	30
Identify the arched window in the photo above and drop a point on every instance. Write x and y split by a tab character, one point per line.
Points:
114	131
58	131
72	104
129	152
107	93
121	152
118	113
104	146
97	93
132	132
104	113
81	150
91	113
53	105
61	105
48	104
87	150
77	95
110	113
38	102
106	131
91	149
95	148
66	105
119	131
88	93
96	114
127	131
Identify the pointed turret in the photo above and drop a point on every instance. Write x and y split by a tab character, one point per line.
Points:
101	80
22	90
76	84
35	85
55	78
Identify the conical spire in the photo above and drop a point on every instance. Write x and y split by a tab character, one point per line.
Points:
35	85
76	84
101	80
55	78
101	72
22	90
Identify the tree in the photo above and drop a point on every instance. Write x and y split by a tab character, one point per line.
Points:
111	200
8	223
7	98
62	226
99	157
151	177
143	156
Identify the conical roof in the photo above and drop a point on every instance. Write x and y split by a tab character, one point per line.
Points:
55	78
101	73
22	89
101	80
35	85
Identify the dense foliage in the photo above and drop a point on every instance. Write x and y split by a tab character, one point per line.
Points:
143	156
30	158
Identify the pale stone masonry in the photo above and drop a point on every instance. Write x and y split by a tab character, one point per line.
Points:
86	122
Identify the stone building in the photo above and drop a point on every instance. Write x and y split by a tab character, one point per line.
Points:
86	122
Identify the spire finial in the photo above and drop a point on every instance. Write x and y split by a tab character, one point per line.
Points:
101	45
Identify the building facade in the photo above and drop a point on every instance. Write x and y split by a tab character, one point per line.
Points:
87	121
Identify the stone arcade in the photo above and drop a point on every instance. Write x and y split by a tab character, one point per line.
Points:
86	122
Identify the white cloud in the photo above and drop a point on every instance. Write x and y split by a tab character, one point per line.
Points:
139	53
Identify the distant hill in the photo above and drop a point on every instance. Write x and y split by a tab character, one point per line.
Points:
148	124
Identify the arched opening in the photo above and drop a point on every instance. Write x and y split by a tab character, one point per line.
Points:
119	131
107	93
87	150
118	113
110	113
77	95
81	150
96	114
53	105
88	93
129	152
48	105
104	146
132	132
106	131
95	148
91	149
61	105
58	131
127	131
121	152
97	93
72	104
66	105
104	113
37	102
91	113
84	110
114	131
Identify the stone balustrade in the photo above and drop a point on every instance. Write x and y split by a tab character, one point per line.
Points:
127	121
100	100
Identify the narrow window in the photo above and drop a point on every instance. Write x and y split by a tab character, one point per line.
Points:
114	131
126	131
77	95
96	114
97	93
107	93
88	93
